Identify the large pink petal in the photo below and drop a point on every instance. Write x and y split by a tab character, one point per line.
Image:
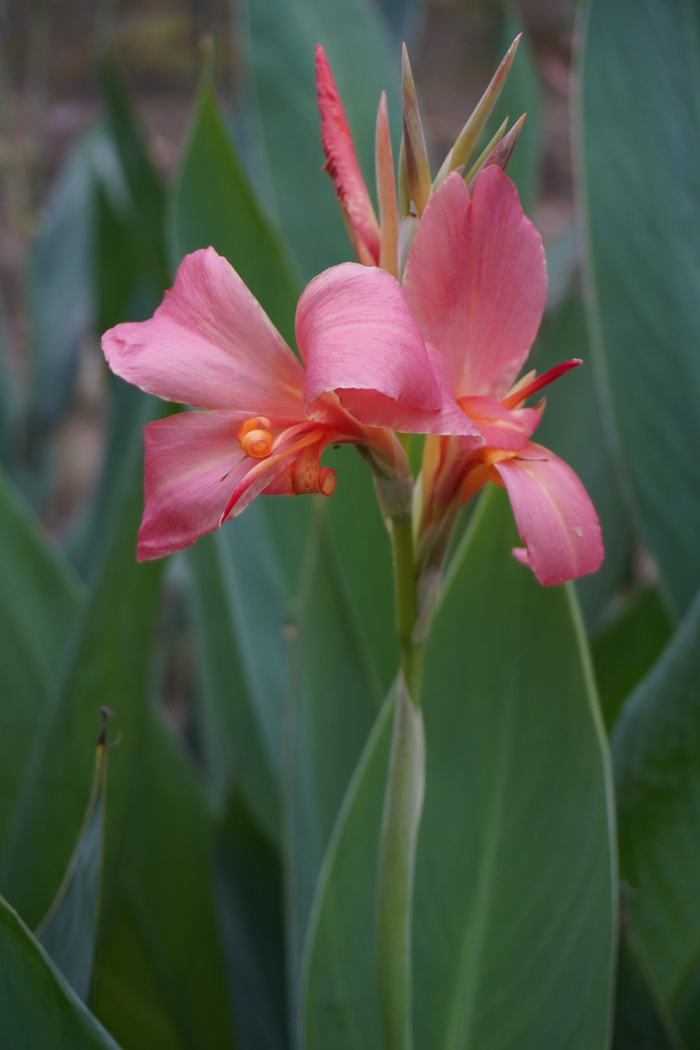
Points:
341	165
476	281
210	344
359	339
554	514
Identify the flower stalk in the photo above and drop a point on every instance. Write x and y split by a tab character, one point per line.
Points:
403	799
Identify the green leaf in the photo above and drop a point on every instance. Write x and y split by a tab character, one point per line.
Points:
283	113
641	1021
61	277
515	910
145	190
69	929
160	975
37	1005
641	215
361	541
108	665
240	616
250	898
572	426
40	601
628	647
516	847
336	696
213	204
340	1002
657	776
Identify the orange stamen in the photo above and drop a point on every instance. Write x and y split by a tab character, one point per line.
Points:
255	438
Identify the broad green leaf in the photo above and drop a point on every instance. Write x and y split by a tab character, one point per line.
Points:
109	665
515	910
240	616
627	647
37	1005
61	278
281	39
146	192
212	204
160	975
249	891
364	557
521	94
640	200
69	929
340	1002
641	1020
657	775
335	697
572	426
40	601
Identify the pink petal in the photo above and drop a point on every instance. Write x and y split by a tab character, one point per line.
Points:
359	339
554	514
210	344
501	427
476	281
187	456
341	165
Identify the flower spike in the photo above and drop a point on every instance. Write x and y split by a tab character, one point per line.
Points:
499	150
415	153
341	164
386	192
461	152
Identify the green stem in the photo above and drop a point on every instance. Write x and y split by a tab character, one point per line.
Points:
406	605
403	799
403	802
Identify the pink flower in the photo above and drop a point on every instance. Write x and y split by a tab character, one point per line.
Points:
476	283
268	419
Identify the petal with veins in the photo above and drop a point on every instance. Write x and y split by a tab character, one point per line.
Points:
187	456
476	281
355	332
554	514
209	344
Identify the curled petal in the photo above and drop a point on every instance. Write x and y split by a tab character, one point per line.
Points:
188	479
209	344
341	165
554	514
359	339
476	281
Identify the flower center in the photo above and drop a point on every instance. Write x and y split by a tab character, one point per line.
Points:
255	437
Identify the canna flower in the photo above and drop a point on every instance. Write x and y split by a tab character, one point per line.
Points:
384	241
266	418
475	280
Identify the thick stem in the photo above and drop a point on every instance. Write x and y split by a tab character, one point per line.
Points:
403	802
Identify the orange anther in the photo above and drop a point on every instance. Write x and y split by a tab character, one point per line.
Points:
255	438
